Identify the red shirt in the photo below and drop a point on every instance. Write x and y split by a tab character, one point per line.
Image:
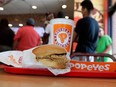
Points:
27	38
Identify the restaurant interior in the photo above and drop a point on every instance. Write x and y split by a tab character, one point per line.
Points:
81	73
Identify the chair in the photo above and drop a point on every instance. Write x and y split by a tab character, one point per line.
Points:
87	55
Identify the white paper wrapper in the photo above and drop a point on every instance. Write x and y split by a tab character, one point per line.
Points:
13	58
26	59
29	60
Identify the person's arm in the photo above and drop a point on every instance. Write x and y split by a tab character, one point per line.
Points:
73	40
108	43
109	47
16	39
15	44
41	41
75	34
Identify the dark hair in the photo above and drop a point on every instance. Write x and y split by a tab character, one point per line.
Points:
4	22
112	9
61	14
87	4
48	13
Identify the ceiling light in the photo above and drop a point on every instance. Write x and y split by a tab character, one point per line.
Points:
10	25
34	7
1	8
20	25
64	6
67	17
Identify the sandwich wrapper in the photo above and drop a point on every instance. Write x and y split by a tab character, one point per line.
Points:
26	59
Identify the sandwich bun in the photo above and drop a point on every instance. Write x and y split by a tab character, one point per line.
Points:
51	56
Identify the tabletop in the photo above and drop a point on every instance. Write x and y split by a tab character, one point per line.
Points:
13	80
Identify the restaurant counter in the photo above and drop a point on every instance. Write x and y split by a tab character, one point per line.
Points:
13	80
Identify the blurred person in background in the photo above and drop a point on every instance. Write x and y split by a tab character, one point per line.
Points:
86	30
26	37
60	14
49	16
6	36
48	28
104	45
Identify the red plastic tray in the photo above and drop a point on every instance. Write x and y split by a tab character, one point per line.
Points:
73	73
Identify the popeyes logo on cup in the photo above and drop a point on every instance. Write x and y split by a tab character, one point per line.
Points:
93	66
62	35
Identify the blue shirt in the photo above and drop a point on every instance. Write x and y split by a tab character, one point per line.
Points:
87	29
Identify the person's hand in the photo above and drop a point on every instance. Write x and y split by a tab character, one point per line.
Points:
41	42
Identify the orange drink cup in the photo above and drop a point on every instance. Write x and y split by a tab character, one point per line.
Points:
62	32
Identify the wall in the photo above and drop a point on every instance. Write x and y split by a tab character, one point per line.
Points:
114	29
21	18
70	9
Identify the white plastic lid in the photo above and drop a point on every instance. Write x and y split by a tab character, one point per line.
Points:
62	20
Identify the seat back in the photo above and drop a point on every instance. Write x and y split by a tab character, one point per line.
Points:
95	56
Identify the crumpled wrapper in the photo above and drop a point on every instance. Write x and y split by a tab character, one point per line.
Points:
26	59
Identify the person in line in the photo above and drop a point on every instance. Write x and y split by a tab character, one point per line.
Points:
6	36
49	16
86	30
48	28
104	45
26	37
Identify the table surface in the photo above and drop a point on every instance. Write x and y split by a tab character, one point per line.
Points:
13	80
